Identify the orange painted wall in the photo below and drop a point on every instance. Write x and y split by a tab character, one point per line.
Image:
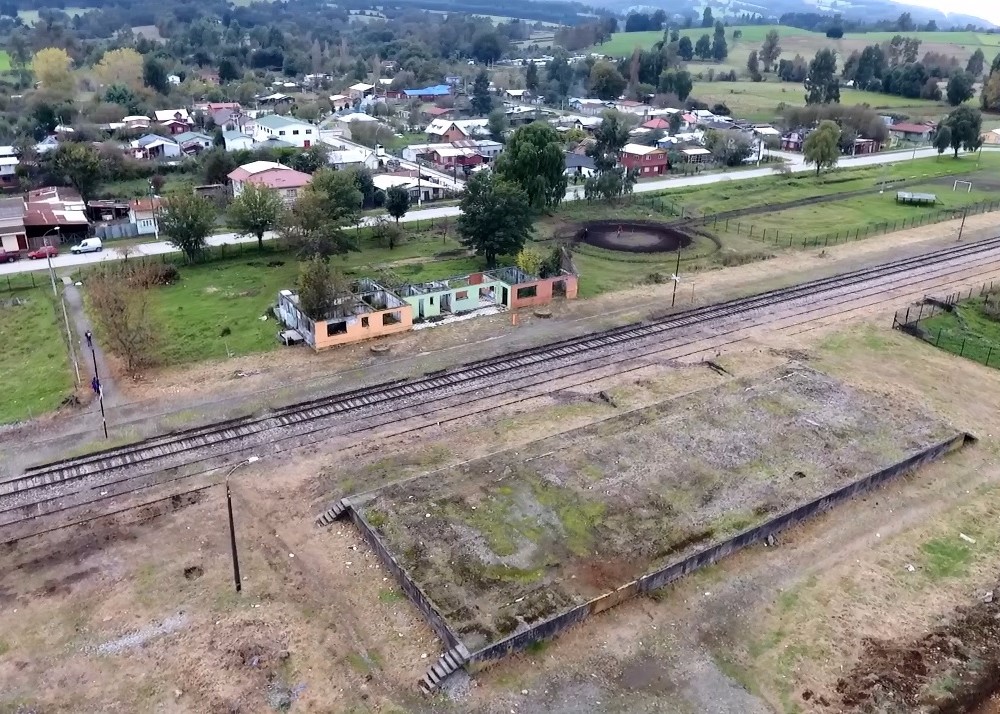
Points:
356	333
543	292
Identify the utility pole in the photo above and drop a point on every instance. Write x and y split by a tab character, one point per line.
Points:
48	258
100	391
232	539
676	277
152	210
962	227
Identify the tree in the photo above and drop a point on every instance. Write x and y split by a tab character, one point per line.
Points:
397	202
121	95
53	70
497	124
720	50
685	49
822	147
256	211
606	82
123	66
942	140
960	88
706	18
385	232
154	75
995	65
821	82
310	230
79	165
531	77
187	220
770	50
121	309
976	63
486	48
991	93
753	66
529	260
965	124
495	218
703	47
481	101
316	289
316	221
611	180
683	84
731	148
835	33
228	71
533	160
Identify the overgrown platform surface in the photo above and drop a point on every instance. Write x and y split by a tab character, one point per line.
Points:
501	543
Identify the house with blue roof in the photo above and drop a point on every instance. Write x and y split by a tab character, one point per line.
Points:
428	94
194	142
154	146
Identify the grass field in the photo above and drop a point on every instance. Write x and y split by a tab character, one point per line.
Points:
760	100
795	40
34	365
726	196
972	330
4	61
215	309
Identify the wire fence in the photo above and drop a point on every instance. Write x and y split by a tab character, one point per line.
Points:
790	238
12	282
913	321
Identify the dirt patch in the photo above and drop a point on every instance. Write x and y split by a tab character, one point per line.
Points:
633	236
951	669
504	542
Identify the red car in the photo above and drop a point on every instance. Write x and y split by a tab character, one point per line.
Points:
8	257
46	251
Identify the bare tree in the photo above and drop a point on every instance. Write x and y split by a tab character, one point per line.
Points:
122	312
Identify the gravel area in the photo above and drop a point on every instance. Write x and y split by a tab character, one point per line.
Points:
504	542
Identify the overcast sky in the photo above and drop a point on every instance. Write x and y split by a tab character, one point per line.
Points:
986	9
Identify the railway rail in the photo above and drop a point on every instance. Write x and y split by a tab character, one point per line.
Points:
316	410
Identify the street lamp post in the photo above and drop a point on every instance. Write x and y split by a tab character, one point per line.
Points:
232	526
48	258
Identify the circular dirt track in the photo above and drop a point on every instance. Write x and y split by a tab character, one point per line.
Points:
632	236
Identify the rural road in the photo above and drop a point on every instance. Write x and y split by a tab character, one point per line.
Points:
795	162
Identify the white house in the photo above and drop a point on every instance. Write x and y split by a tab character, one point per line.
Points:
353	158
8	166
142	213
194	142
164	115
237	141
173	79
361	90
289	129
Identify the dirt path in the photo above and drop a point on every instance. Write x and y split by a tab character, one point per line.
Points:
92	358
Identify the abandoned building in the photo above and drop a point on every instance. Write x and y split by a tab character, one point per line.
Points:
372	310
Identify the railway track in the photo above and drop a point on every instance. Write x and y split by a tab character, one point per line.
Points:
235	430
98	498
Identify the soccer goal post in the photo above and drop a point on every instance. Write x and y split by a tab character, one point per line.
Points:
967	185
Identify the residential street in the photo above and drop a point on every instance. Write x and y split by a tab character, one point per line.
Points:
795	162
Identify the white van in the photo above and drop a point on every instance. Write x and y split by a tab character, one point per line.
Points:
88	245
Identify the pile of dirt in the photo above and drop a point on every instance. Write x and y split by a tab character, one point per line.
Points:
951	669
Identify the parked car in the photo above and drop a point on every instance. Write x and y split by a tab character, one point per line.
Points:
46	251
6	257
88	245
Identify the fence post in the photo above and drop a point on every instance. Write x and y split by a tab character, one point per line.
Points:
907	315
961	352
751	230
988	355
920	316
938	340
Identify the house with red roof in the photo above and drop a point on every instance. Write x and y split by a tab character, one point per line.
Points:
644	160
288	183
657	123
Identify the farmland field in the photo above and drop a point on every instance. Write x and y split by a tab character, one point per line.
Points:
796	41
759	100
4	61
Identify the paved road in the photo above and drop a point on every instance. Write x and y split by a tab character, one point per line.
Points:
796	164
